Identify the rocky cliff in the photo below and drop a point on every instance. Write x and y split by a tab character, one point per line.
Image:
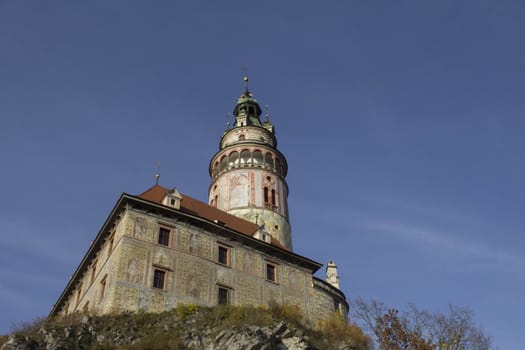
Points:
189	327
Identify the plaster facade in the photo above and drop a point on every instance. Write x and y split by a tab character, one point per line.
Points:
120	275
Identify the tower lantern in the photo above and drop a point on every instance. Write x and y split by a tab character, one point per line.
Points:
248	172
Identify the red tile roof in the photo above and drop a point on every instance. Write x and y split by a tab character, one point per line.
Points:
195	207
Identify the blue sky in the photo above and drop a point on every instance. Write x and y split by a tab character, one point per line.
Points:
402	123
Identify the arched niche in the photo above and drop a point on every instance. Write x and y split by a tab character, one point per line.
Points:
223	163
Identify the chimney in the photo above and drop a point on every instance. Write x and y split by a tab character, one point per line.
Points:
332	276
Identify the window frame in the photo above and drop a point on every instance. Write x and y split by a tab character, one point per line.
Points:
227	249
167	237
337	306
228	291
271	266
93	271
103	285
111	242
79	295
164	278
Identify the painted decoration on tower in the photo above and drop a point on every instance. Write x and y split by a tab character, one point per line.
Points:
239	190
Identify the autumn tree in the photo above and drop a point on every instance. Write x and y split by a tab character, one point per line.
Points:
391	334
455	330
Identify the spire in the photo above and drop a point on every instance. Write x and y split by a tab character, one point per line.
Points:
247	111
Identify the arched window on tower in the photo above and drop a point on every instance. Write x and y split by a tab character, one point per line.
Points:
234	159
274	203
268	159
224	163
241	137
245	156
216	169
278	167
257	157
266	204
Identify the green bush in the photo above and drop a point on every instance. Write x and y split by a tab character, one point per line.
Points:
289	313
184	310
227	316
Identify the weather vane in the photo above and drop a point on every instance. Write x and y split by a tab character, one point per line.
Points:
157	175
245	78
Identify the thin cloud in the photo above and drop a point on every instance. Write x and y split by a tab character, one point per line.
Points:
398	202
448	242
480	255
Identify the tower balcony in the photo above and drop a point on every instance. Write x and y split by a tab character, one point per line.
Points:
248	158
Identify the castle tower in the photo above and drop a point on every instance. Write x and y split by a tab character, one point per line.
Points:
248	172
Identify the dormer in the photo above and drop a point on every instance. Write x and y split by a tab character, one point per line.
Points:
172	198
263	235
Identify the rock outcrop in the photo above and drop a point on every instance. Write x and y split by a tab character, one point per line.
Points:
277	337
194	330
